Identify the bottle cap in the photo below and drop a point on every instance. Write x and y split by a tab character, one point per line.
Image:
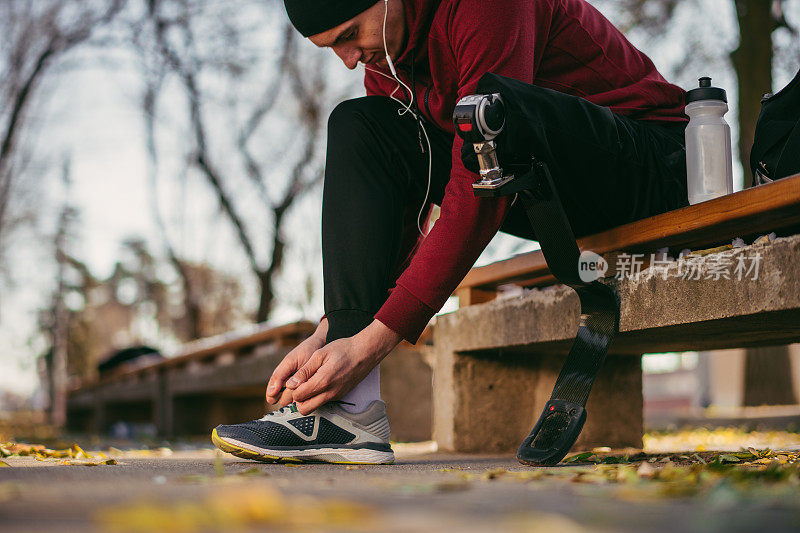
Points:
706	92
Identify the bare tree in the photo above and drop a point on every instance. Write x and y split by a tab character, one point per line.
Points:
184	57
35	36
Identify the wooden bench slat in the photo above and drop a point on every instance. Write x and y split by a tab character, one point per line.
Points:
747	213
472	296
203	349
211	346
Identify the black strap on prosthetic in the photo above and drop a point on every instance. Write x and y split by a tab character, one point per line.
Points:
564	414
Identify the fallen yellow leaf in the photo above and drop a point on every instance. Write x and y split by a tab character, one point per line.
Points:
237	509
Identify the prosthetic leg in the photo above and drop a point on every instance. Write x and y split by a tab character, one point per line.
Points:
478	120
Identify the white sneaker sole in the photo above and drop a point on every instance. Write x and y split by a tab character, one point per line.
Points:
317	455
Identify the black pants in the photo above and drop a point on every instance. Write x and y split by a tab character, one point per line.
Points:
609	170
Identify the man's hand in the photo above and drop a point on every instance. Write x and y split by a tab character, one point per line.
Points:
293	361
337	367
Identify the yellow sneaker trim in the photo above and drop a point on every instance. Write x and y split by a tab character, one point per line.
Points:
244	453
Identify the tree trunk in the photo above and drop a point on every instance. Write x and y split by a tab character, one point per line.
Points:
768	377
752	61
267	297
191	300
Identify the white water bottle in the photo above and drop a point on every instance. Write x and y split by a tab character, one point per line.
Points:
709	167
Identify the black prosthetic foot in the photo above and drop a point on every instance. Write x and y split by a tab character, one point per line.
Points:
553	435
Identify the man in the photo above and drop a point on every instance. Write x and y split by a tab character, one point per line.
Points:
608	125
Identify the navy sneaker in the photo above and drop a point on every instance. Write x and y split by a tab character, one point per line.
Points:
328	435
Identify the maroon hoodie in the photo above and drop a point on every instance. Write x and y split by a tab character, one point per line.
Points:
565	45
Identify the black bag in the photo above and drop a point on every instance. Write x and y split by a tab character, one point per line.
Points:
776	147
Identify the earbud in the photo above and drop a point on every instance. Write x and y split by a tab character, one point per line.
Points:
385	48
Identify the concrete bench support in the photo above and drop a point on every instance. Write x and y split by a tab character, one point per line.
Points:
488	401
495	363
406	389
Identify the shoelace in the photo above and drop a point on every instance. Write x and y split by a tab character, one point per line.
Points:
280	411
292	407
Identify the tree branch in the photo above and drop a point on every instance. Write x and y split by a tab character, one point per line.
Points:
202	159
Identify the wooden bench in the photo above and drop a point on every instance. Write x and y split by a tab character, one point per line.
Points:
496	359
196	387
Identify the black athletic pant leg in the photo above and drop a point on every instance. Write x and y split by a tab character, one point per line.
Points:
609	169
375	180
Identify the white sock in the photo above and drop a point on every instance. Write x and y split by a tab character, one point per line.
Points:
364	393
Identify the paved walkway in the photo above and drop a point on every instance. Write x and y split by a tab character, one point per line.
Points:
185	491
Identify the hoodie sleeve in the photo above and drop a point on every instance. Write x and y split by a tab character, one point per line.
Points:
482	40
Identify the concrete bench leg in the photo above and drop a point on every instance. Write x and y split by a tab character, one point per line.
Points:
488	401
406	389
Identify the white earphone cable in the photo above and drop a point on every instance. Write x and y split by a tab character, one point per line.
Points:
406	108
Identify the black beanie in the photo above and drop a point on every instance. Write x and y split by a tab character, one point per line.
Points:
311	17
